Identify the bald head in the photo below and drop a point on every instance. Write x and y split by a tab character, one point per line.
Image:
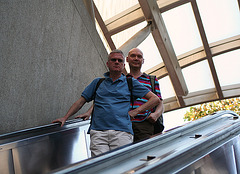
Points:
135	59
135	50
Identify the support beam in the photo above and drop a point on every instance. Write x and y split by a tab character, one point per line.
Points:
152	13
125	19
89	6
239	4
104	28
134	15
207	49
135	40
166	5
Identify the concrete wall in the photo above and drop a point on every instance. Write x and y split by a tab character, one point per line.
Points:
49	52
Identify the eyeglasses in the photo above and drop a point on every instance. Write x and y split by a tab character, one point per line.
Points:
134	55
119	60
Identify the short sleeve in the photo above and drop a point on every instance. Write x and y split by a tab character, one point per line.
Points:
89	90
139	90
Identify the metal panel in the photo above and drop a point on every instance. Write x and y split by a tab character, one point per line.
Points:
208	145
66	150
50	152
44	149
6	162
220	161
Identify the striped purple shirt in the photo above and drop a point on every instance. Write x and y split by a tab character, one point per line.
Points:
145	80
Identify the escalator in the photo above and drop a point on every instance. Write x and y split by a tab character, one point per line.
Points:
43	149
208	145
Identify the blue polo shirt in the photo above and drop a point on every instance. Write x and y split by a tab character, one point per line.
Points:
112	103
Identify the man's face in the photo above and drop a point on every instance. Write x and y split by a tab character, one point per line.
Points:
116	62
135	58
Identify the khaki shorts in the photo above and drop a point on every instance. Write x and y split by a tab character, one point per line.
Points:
103	141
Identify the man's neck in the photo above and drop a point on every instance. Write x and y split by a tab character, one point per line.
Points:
135	72
115	75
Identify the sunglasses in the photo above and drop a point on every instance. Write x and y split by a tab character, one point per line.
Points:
119	60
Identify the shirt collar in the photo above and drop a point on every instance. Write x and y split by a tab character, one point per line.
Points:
143	74
106	75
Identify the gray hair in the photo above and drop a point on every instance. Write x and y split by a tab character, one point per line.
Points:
116	51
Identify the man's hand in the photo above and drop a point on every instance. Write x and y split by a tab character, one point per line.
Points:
152	118
84	116
133	113
60	120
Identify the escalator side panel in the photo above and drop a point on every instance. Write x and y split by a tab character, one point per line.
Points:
6	162
45	153
220	161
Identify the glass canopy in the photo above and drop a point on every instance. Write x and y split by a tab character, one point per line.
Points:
193	46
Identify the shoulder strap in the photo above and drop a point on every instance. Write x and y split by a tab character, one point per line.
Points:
130	87
94	94
98	84
152	80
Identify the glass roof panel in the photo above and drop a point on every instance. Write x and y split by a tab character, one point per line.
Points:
166	87
182	29
151	53
227	67
110	8
219	15
120	38
198	77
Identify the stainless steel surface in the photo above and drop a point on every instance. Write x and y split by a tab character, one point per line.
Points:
216	150
223	160
209	145
42	149
6	162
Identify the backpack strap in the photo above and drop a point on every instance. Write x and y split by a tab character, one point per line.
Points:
94	95
98	84
152	81
158	125
130	87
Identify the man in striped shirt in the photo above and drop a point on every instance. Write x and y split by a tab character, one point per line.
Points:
143	123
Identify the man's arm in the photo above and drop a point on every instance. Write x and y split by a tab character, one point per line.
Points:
87	114
73	109
153	100
158	112
159	108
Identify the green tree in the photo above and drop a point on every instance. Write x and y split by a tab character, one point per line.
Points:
205	109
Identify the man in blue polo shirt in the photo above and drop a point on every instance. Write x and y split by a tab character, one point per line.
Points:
111	125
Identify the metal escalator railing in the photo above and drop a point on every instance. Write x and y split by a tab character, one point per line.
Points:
45	148
208	145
